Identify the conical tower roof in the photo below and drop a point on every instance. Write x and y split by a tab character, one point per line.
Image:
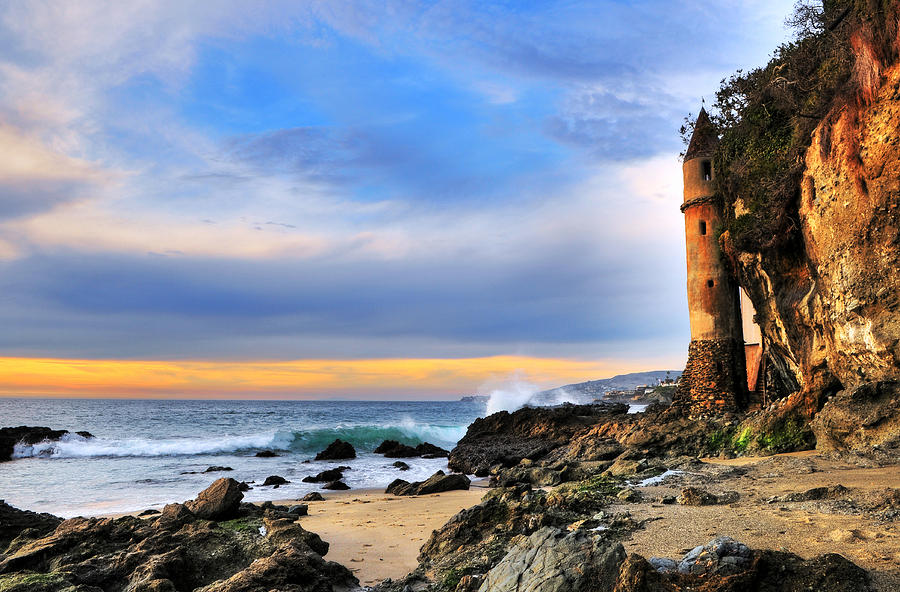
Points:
704	139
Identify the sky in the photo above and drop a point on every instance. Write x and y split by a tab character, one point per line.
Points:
386	199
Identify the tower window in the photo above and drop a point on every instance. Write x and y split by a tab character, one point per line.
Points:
706	170
702	226
710	283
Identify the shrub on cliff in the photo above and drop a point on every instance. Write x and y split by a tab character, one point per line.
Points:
765	116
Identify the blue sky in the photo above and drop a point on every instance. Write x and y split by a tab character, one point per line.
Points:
289	180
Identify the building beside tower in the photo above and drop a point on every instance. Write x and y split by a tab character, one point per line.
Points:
715	378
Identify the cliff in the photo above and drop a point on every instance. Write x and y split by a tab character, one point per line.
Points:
809	168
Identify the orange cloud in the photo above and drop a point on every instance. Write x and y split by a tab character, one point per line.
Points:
372	378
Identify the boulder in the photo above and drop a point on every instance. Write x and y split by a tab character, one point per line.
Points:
217	468
551	560
401	465
396	486
337	450
218	501
440	482
435	484
336	485
326	476
299	510
394	449
275	480
314	496
695	496
266	454
426	450
722	556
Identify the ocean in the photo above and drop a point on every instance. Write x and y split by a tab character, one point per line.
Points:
147	453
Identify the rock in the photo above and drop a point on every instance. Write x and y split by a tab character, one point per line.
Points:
244	486
337	485
286	530
14	521
337	450
29	436
860	418
722	556
315	496
266	454
394	449
663	565
326	476
550	560
624	467
274	480
426	450
629	495
216	468
668	499
219	501
695	496
401	465
177	551
149	513
397	485
299	510
292	567
816	493
440	482
435	484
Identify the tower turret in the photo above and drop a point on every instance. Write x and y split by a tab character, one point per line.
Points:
714	379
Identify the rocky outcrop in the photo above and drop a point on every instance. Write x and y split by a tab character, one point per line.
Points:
860	418
29	436
178	550
337	450
828	302
532	432
14	521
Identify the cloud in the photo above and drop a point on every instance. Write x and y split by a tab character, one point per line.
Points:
352	178
34	178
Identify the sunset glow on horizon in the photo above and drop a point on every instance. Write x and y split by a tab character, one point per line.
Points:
374	379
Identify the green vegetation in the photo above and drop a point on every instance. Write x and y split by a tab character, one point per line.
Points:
250	525
33	582
787	437
602	484
741	441
765	118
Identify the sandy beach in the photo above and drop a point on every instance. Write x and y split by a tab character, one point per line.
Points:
378	536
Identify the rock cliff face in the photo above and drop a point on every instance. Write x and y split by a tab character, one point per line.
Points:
828	303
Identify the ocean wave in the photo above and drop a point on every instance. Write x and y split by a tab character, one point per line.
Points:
364	438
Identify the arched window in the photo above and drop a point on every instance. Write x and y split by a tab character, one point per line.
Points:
706	170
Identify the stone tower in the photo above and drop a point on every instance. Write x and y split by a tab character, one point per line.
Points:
714	380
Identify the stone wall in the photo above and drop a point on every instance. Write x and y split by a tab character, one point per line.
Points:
714	380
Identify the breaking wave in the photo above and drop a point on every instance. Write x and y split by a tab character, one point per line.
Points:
364	438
